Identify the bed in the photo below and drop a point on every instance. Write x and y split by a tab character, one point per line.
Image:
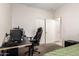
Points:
67	51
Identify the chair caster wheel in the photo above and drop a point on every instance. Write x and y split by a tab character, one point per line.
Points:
39	52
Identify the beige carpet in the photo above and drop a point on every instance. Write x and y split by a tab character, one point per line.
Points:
43	48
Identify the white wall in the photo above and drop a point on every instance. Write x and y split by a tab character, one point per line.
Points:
26	17
70	21
5	20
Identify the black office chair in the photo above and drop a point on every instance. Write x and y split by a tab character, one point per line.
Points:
36	40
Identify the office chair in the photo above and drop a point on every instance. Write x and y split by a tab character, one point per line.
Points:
35	40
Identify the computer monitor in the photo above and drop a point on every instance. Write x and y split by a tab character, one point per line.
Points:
16	35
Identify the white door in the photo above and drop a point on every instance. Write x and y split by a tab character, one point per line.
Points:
58	30
59	39
50	31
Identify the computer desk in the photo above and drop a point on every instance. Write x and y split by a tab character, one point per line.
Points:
24	44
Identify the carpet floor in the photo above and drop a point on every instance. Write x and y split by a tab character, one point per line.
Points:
43	48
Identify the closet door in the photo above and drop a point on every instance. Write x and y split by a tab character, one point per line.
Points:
53	31
50	30
58	28
59	39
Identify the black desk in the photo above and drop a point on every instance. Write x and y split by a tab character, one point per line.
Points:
15	48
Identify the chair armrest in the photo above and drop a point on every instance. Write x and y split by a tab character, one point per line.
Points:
30	38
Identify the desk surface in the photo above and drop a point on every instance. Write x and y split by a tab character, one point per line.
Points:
24	44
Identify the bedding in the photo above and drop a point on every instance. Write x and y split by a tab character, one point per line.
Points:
67	51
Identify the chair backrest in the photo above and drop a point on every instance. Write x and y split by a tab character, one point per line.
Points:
38	35
16	35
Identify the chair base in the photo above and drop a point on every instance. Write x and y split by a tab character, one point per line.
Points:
26	53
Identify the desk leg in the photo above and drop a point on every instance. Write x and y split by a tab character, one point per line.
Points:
3	53
30	51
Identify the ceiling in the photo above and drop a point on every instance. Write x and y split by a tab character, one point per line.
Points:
46	6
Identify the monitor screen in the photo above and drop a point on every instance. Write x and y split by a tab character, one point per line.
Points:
16	35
